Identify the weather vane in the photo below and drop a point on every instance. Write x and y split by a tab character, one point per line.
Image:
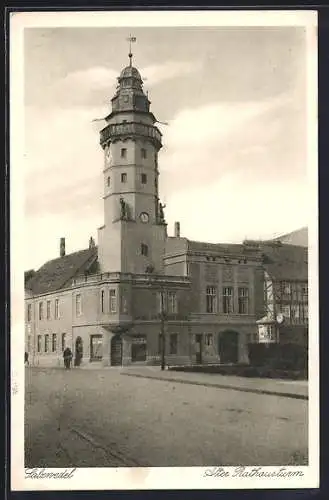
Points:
131	39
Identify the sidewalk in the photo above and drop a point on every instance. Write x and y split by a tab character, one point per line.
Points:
285	388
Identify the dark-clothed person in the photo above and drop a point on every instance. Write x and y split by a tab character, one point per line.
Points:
67	355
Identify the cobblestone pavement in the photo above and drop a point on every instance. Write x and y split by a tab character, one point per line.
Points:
101	418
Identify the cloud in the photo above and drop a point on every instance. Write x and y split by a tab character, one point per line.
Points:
63	160
98	83
262	140
235	208
159	73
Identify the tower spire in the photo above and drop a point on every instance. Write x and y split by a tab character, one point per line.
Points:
130	39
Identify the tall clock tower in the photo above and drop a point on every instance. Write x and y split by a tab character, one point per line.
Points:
133	237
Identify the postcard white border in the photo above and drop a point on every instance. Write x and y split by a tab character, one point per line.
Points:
153	478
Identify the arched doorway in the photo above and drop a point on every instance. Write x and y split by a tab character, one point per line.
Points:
78	351
228	346
116	350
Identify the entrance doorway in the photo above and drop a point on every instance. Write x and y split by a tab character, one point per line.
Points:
138	349
228	346
116	351
78	351
96	347
198	348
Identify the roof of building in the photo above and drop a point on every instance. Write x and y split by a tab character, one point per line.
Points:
57	273
298	237
223	248
285	262
130	72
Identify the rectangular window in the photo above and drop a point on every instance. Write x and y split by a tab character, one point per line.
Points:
29	343
173	343
227	300
78	306
46	342
123	177
211	294
143	152
48	309
172	303
286	288
40	310
102	300
243	299
29	312
123	153
209	339
161	302
144	249
294	313
39	343
304	292
286	311
112	301
304	313
63	341
56	308
54	342
108	181
144	178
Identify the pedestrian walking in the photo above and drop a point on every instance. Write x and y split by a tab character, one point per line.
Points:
67	355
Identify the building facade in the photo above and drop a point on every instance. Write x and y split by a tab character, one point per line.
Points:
138	294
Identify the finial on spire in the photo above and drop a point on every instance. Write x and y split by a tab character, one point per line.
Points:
130	39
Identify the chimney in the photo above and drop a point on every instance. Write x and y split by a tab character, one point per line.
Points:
62	247
177	230
91	243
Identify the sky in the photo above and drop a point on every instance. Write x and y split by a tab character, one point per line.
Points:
234	158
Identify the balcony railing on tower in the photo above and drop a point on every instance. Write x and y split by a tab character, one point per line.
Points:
133	129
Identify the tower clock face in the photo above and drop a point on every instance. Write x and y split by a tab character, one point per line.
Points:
144	217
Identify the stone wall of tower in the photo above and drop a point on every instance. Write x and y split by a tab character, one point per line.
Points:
131	201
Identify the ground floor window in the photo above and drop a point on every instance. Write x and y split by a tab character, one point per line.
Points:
54	343
209	339
173	345
138	349
63	341
39	343
96	347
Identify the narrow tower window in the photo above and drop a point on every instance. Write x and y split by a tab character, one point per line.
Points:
144	249
124	177
144	178
144	153
108	181
123	153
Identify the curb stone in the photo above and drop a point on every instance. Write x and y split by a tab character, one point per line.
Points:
222	386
